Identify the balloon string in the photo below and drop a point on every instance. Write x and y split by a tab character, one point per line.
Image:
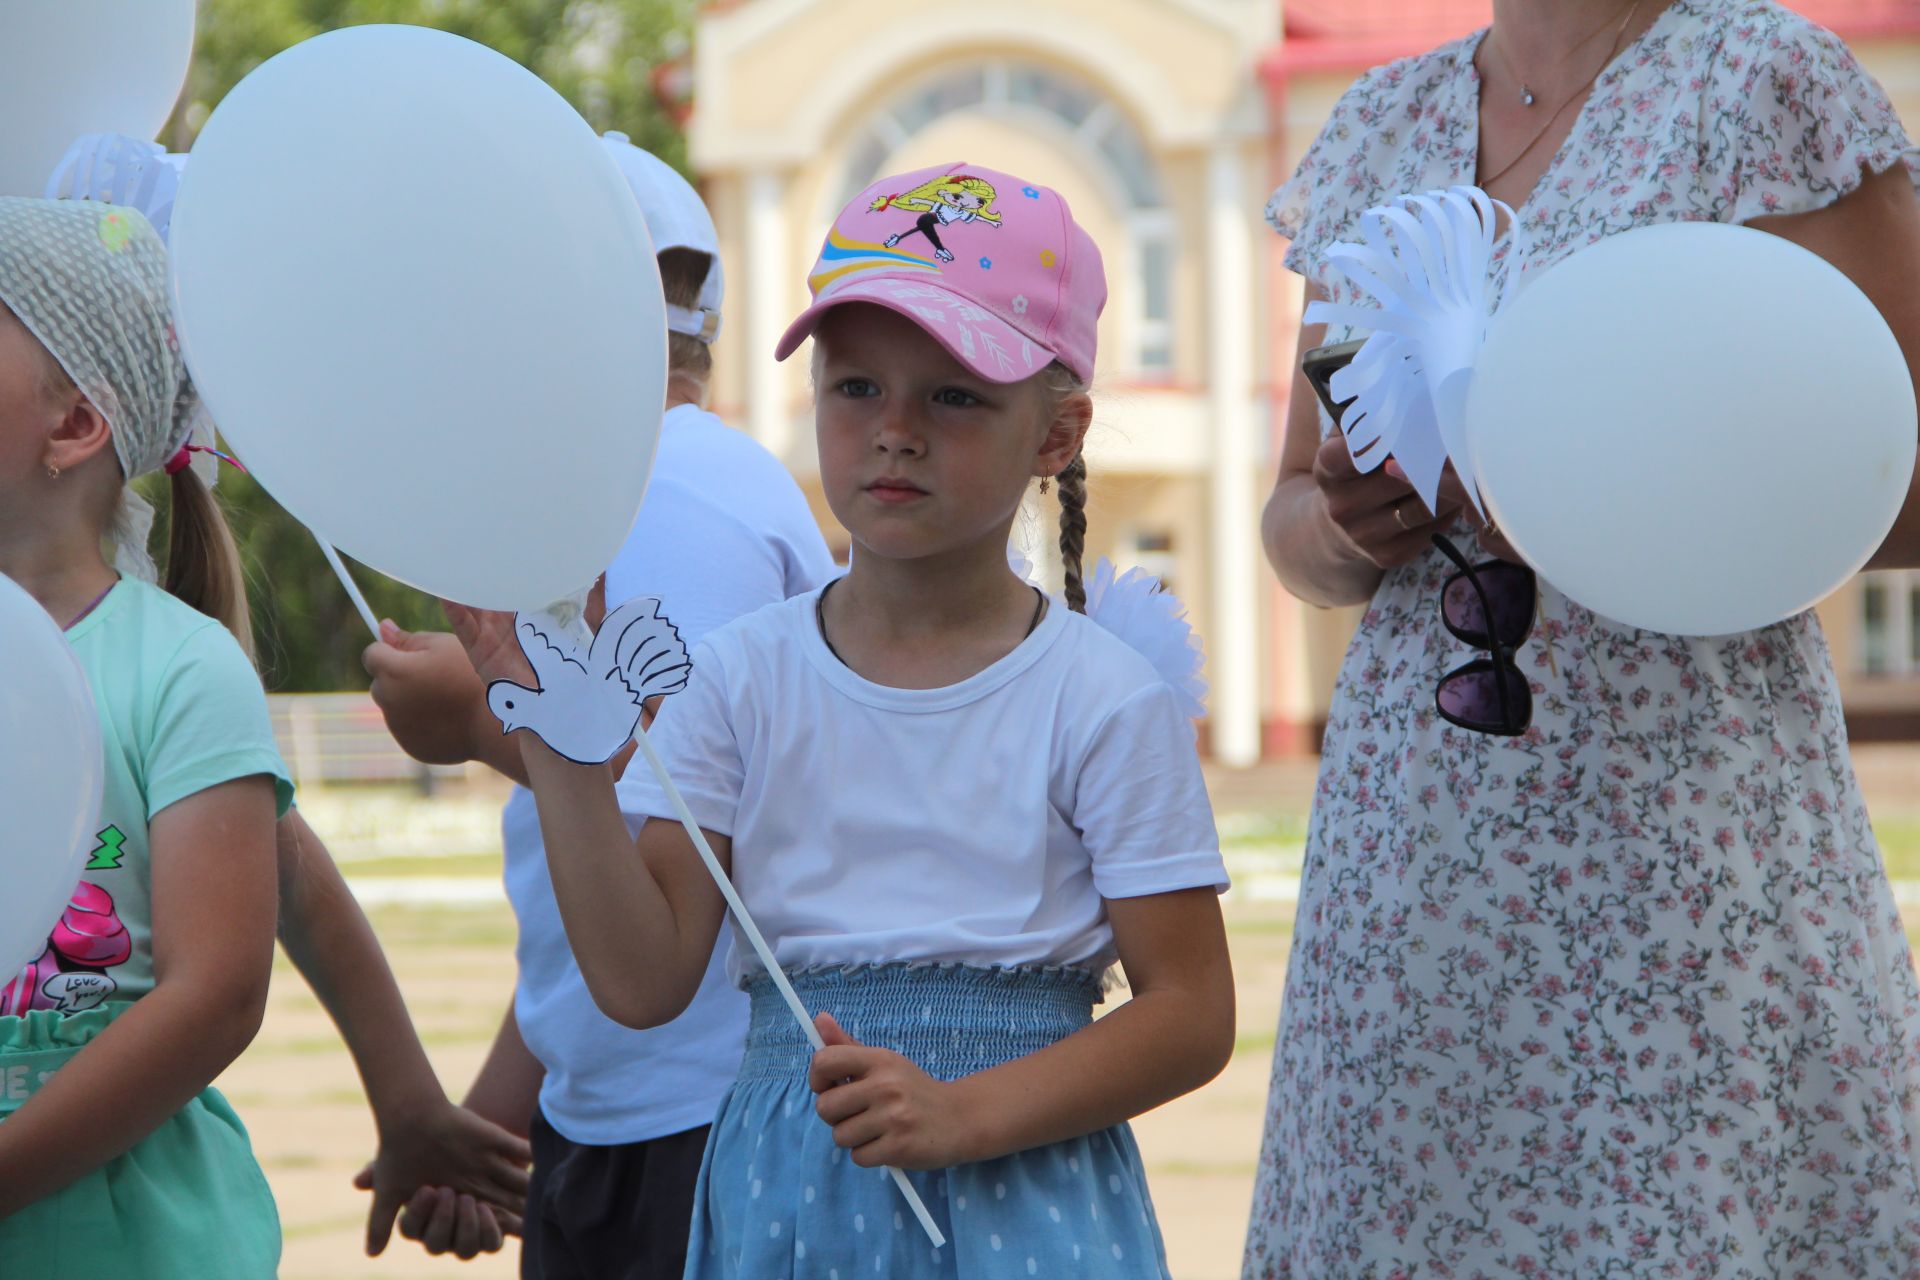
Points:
346	580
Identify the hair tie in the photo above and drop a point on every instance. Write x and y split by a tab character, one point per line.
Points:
183	459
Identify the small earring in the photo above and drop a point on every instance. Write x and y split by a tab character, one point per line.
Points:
1045	483
53	471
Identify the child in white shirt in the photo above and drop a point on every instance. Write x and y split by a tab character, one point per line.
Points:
950	802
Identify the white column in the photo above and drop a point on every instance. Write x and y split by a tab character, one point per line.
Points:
1289	651
1899	597
767	417
1235	535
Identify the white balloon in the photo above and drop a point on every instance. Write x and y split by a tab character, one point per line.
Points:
50	777
1693	428
421	303
69	67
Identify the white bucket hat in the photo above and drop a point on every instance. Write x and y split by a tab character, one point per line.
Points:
676	219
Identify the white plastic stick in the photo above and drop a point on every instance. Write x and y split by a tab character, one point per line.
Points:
761	949
346	580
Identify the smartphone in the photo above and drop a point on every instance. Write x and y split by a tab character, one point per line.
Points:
1321	363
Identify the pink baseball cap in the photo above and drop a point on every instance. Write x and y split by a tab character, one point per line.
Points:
995	268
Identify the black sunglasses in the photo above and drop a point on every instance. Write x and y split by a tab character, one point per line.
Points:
1490	606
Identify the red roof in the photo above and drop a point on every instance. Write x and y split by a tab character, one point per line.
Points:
1408	21
1359	33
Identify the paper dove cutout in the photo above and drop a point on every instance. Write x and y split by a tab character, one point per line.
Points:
1427	260
113	168
588	705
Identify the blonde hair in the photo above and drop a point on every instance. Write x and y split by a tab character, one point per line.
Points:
1059	383
926	195
203	560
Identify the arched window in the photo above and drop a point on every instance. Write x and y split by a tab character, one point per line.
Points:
1094	125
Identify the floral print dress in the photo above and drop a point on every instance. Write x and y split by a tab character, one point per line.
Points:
1629	995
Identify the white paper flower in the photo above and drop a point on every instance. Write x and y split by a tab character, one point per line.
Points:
1153	622
1140	611
115	169
1427	260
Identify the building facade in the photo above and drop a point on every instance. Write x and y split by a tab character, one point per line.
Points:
1165	123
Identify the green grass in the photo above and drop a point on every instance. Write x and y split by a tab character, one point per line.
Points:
248	1099
292	1160
1269	927
1202	1168
1899	837
452	864
475	1033
403	927
1246	827
321	1227
1260	1042
299	1046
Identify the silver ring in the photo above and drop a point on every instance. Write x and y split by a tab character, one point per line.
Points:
1400	519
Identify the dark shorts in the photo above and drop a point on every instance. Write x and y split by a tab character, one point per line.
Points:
609	1213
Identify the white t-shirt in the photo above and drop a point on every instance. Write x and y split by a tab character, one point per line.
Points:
981	823
724	531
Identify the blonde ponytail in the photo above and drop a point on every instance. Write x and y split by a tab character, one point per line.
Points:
203	561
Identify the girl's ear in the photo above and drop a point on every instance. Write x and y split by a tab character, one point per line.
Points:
83	432
1066	434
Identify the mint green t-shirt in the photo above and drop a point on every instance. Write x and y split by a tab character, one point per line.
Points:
181	710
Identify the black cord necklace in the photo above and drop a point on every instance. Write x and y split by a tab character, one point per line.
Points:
820	615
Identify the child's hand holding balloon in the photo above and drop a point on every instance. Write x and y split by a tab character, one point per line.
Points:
428	692
489	639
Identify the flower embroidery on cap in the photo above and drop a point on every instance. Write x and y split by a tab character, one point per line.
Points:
986	264
1048	257
1031	193
1019	304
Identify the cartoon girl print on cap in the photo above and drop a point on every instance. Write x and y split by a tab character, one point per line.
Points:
948	199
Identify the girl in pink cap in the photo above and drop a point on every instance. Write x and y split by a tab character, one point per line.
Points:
952	802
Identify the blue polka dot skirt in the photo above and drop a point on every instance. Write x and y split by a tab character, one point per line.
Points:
778	1200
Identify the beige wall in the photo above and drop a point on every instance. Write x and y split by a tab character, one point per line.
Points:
776	76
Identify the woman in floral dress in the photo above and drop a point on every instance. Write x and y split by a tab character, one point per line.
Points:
1627	995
